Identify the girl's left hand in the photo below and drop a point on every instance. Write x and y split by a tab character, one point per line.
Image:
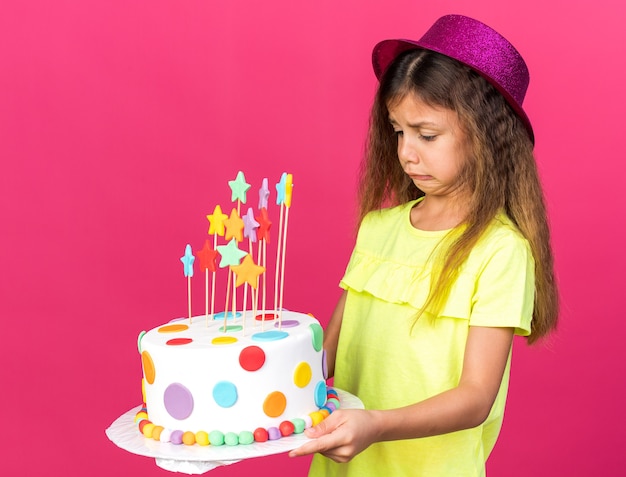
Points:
341	436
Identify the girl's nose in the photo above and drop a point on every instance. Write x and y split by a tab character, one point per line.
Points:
406	151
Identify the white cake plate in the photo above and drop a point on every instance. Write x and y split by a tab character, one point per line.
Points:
200	459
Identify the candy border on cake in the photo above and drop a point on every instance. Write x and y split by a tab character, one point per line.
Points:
286	428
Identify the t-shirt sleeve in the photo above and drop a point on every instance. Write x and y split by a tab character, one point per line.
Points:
505	287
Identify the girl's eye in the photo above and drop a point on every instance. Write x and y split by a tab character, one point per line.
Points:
398	133
427	138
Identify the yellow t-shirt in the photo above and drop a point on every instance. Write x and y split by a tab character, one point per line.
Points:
388	364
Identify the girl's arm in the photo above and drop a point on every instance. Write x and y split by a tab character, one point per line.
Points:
345	433
331	334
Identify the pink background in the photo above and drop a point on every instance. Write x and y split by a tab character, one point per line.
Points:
121	123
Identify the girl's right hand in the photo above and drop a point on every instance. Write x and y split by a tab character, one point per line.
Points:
342	435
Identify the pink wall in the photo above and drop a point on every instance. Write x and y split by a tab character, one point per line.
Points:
121	123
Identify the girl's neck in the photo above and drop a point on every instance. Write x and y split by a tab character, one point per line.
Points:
432	214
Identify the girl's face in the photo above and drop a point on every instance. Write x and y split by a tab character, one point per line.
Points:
431	145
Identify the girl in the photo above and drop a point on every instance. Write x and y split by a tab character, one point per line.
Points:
439	282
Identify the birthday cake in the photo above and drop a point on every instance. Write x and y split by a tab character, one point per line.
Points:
248	374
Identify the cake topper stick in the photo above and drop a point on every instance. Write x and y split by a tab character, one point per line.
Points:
247	273
227	301
255	301
264	262
249	231
264	235
213	282
234	307
216	227
262	259
245	292
235	227
231	255
188	260
264	195
244	308
207	258
239	188
255	295
280	200
258	285
278	251
288	195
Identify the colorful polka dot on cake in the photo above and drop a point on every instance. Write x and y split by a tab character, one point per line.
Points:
308	422
141	415
224	340
273	335
147	429
287	324
274	404
302	375
252	358
189	438
148	367
178	401
332	401
231	439
273	433
176	328
316	418
202	438
165	436
176	437
286	428
298	425
261	435
246	438
141	335
320	394
318	336
216	438
156	432
266	317
178	341
225	394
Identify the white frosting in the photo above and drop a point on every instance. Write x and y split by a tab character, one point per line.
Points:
190	373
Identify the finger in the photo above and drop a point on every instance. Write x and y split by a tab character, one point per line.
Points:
323	446
319	430
327	426
310	447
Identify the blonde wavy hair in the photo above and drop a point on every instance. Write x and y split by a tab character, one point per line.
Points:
500	172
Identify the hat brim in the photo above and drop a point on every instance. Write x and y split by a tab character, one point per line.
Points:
388	50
